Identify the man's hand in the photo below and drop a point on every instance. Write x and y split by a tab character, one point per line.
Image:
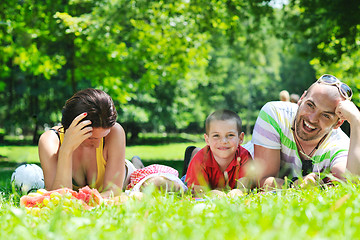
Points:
309	180
347	110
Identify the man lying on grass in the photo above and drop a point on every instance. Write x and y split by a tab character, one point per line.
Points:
300	141
223	161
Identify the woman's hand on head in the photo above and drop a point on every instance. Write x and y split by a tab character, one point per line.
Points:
77	132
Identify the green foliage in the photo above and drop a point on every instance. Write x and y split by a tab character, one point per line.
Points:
332	26
168	64
327	32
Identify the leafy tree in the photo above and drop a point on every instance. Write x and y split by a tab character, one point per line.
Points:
27	64
151	48
168	64
329	32
243	64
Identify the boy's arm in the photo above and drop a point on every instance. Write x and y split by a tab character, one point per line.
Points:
196	176
199	191
249	172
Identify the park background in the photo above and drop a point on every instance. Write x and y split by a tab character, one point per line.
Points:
168	64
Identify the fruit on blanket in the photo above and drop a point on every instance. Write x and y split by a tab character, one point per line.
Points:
35	211
137	195
85	197
216	193
117	200
235	193
90	196
46	201
37	199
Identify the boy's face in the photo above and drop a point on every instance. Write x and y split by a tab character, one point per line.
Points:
223	139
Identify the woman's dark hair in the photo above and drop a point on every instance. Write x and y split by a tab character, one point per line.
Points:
97	104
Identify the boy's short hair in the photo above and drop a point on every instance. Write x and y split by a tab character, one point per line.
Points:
223	115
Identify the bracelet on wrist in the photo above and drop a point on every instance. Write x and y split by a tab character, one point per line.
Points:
293	181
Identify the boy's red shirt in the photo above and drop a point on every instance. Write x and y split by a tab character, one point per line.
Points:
205	171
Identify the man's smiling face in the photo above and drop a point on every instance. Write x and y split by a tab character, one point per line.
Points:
316	114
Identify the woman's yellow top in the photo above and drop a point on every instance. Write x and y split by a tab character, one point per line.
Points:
100	161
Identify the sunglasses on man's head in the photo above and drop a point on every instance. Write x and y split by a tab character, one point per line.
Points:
344	89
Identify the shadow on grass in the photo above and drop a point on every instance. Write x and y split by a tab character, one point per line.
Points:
160	139
142	139
17	142
178	165
6	169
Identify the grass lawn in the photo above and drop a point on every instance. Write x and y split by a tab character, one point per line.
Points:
19	154
313	213
332	213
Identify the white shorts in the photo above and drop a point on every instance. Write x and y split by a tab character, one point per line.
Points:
129	169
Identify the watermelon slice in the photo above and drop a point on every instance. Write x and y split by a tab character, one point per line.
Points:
89	197
37	199
32	200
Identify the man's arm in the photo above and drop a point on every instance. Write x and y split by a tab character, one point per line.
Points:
268	164
348	111
338	170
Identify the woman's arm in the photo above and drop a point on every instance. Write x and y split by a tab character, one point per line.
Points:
115	143
48	154
56	160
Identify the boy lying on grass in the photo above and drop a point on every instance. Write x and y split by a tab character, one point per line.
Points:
163	178
223	162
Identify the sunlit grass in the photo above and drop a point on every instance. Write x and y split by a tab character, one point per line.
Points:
19	154
168	152
163	152
331	213
314	213
157	147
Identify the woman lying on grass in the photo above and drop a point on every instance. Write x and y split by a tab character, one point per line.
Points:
88	148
